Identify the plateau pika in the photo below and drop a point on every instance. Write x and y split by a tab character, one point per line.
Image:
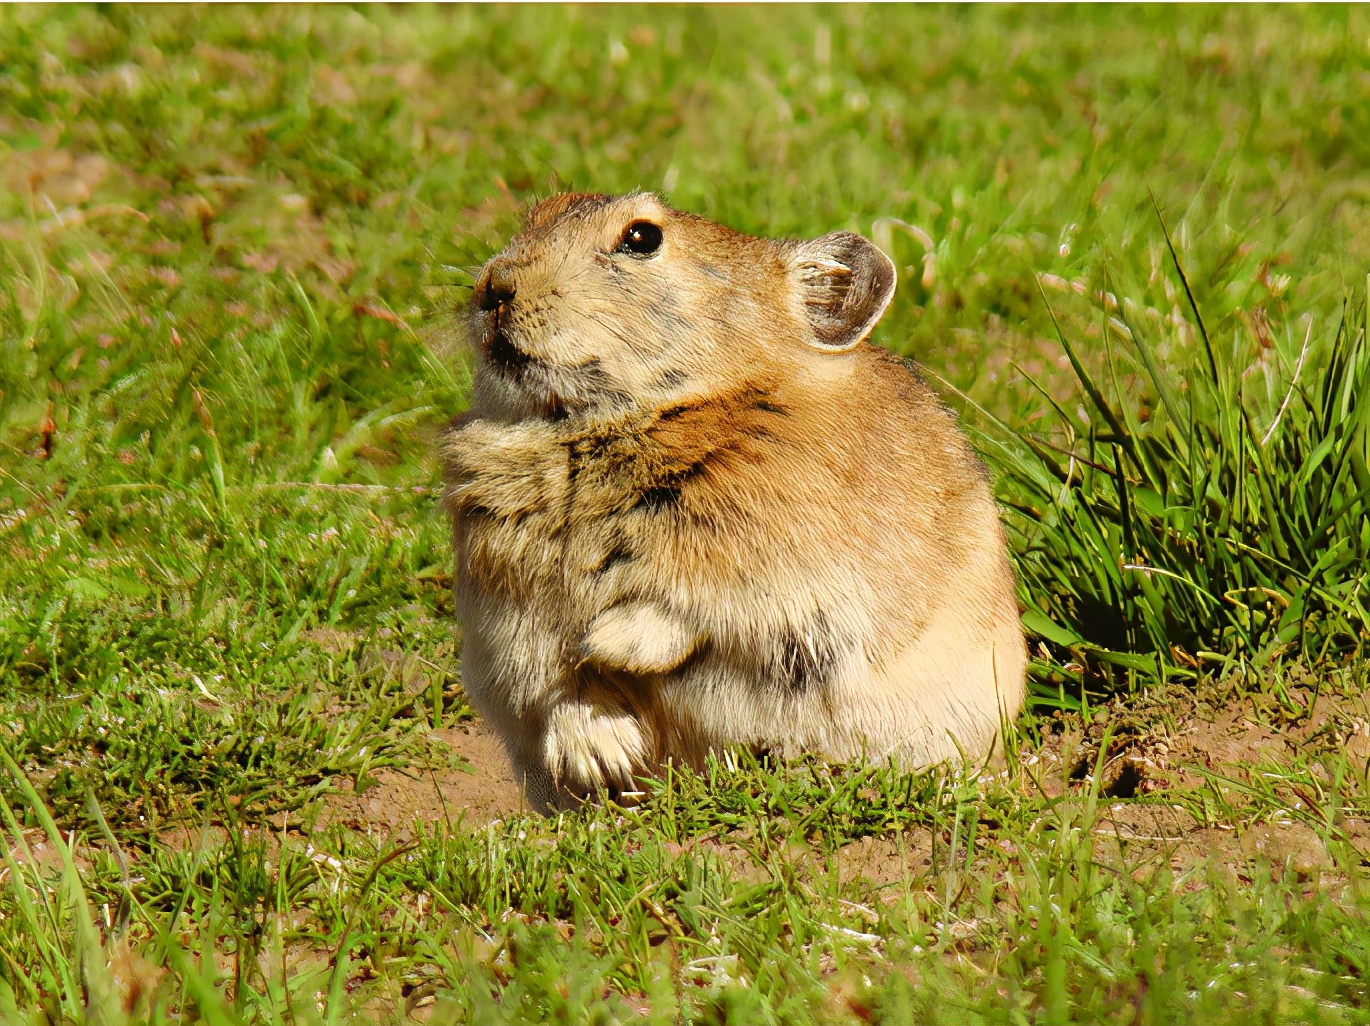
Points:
694	508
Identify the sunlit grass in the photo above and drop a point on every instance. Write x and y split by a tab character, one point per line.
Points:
1133	247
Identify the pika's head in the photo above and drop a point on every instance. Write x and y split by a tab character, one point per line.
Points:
608	303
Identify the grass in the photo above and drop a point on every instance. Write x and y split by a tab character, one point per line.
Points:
1186	535
1133	246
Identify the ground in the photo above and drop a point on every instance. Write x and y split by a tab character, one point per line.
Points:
241	781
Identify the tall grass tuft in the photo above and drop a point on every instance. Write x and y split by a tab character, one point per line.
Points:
1225	527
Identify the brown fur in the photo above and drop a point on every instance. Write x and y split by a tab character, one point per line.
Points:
695	508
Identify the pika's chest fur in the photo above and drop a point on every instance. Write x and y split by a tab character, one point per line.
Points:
760	507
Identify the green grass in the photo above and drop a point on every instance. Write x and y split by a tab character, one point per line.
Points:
1190	534
232	246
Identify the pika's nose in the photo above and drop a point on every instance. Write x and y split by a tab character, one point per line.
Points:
495	288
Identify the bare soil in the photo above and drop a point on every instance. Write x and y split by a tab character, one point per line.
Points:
1220	775
1161	749
481	791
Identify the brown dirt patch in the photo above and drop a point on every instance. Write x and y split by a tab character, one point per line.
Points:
887	860
479	792
1162	750
1222	774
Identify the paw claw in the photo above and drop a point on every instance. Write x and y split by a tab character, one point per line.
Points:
589	749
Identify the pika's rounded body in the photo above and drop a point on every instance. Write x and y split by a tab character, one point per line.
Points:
693	508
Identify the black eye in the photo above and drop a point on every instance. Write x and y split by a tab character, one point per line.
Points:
641	239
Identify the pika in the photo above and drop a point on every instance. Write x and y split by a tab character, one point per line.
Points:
694	508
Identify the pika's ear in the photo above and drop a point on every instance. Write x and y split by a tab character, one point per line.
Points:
845	284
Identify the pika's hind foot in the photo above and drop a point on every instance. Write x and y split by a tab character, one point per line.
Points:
590	749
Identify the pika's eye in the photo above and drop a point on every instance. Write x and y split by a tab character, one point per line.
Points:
641	239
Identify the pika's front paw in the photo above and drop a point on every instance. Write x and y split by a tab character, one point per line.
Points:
505	469
589	749
638	638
